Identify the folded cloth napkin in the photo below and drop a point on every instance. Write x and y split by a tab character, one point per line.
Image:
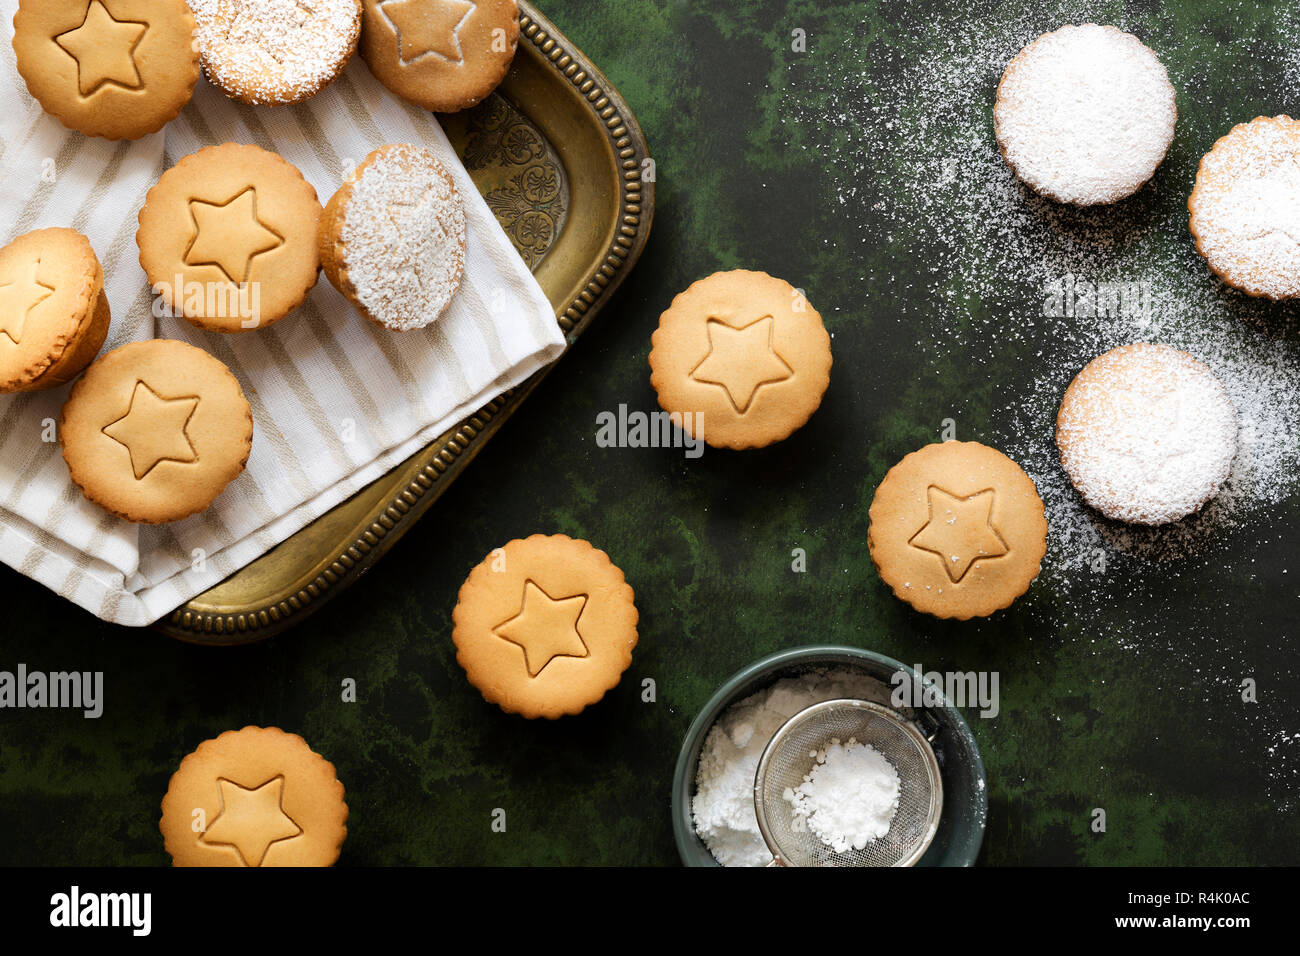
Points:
336	401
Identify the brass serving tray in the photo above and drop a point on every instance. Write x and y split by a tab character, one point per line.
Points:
559	157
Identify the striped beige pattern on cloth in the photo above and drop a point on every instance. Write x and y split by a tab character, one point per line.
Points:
336	401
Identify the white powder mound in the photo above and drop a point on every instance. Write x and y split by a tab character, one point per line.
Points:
849	797
723	806
275	51
1246	207
1147	434
1085	114
404	237
984	278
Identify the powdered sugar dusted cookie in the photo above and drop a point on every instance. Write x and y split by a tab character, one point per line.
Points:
1245	207
1147	434
275	51
393	238
1084	115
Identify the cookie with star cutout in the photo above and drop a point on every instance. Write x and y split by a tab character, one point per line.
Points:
1147	434
254	797
227	238
54	314
1244	211
957	530
544	626
275	52
740	360
119	69
155	430
442	55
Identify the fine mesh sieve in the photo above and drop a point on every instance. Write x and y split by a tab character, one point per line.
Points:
787	760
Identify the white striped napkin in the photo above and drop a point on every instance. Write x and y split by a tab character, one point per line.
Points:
337	402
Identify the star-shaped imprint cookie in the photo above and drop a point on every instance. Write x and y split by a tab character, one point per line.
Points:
153	429
17	299
742	360
104	49
251	820
960	530
230	235
428	27
545	627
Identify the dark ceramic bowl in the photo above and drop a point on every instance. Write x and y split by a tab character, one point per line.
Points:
965	796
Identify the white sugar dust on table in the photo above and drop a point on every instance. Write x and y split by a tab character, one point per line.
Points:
1003	277
849	797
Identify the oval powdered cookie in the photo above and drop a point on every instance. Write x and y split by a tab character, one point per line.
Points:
254	797
54	314
545	626
274	52
957	530
1147	434
1085	114
1244	211
155	430
392	239
740	359
119	69
443	55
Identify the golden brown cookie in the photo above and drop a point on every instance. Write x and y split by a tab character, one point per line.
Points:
957	530
443	55
1085	114
53	311
545	626
1147	434
741	358
254	797
392	239
114	68
274	52
1244	211
227	238
155	430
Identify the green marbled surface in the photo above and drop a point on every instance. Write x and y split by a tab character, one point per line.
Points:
1096	712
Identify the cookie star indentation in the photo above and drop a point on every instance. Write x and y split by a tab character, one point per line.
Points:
742	360
229	235
427	27
251	820
545	627
17	299
104	48
153	430
960	530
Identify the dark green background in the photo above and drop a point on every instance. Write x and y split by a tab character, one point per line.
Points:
1161	741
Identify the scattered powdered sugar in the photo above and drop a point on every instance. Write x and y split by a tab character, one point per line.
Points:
1246	208
1147	434
989	276
275	51
849	797
723	806
404	237
1085	114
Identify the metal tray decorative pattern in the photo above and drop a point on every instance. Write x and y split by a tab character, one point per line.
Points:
559	158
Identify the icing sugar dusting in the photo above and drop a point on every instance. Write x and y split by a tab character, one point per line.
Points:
404	237
997	277
1246	207
1147	434
275	51
1085	114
